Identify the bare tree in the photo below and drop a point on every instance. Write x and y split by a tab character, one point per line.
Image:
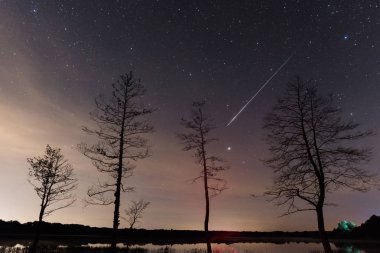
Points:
120	124
310	152
135	211
197	138
53	180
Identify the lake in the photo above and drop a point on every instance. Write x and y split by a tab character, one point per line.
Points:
290	247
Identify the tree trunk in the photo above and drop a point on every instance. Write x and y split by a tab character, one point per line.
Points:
33	248
322	231
207	215
116	214
207	202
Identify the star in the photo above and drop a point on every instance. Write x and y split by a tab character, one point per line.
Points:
66	53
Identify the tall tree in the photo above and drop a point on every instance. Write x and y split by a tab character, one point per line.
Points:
310	152
135	211
197	138
53	180
120	123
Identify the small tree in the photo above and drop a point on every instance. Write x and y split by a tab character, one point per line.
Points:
197	138
308	141
53	180
120	124
135	211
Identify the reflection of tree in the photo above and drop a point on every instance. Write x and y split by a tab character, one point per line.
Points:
209	249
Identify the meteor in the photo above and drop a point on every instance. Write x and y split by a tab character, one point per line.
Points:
262	87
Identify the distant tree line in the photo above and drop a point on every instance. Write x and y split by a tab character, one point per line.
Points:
307	137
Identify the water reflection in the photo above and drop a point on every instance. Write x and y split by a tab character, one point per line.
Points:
351	249
289	247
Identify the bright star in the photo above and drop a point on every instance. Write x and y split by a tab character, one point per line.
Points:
228	148
345	37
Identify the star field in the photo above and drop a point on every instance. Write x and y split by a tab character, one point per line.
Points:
56	56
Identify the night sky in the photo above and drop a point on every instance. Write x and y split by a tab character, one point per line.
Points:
56	56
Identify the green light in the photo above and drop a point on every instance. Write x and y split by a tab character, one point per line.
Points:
346	226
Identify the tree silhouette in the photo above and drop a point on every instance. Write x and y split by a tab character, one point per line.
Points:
135	211
310	152
53	180
120	124
197	138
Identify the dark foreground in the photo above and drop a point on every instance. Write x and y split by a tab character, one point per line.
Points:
64	238
278	246
170	241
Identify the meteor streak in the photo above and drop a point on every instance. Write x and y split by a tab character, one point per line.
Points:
262	87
